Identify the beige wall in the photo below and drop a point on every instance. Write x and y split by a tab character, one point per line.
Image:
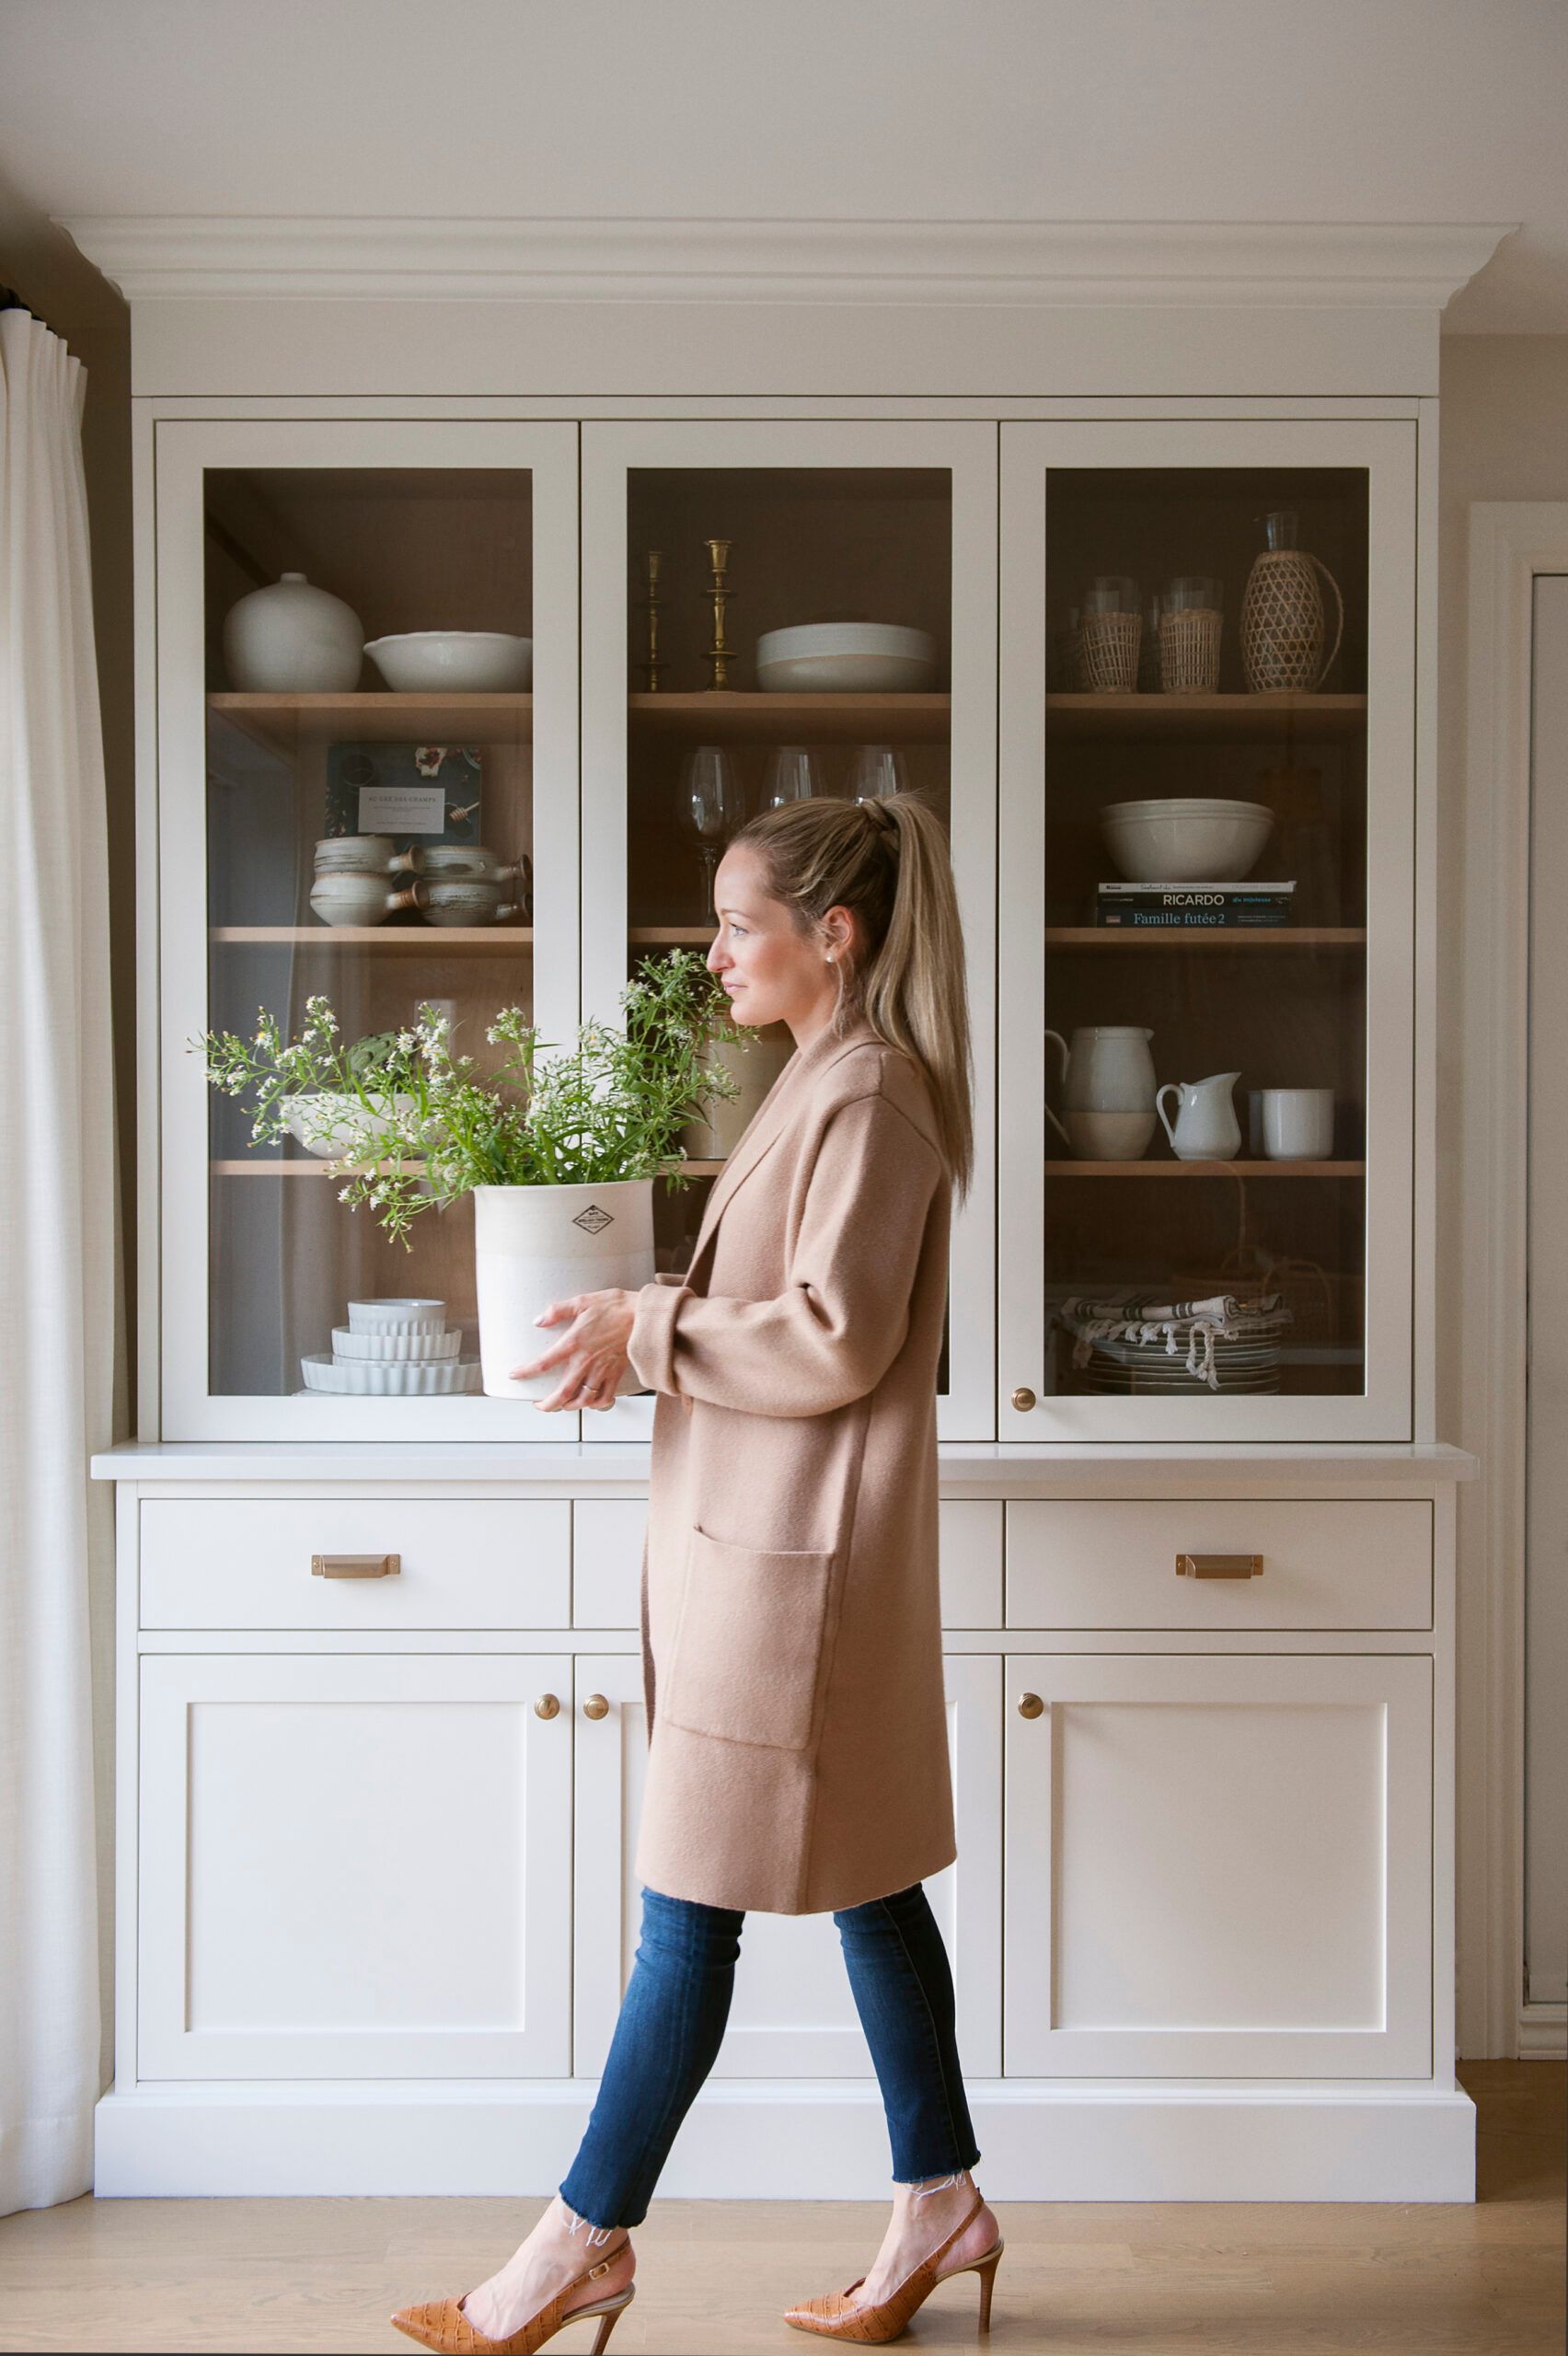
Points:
41	265
1504	435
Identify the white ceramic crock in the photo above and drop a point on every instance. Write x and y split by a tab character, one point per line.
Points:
535	1244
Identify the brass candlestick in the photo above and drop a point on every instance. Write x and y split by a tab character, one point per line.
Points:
653	663
718	654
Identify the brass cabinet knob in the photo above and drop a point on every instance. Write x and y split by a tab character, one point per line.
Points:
595	1706
1029	1705
1023	1401
546	1706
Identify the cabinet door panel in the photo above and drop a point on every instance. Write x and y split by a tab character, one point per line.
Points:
890	522
271	771
1207	880
1220	1867
792	2013
353	1867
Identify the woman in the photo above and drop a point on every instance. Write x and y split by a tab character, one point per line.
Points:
791	1639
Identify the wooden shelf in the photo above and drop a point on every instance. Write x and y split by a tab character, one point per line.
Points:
406	941
1153	715
271	1166
1206	1169
670	936
1182	936
281	721
738	717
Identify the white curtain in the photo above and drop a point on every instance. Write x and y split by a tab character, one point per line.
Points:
58	1280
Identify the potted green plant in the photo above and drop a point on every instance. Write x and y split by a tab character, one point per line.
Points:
560	1152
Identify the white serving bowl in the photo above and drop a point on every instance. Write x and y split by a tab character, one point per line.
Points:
846	658
1199	840
332	1123
397	1314
457	661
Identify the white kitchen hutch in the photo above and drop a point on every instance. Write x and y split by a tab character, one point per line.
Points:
380	1731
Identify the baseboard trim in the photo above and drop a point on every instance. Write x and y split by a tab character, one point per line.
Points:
824	2141
1542	2032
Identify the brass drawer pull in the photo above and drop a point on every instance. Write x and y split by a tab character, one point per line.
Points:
1219	1567
356	1567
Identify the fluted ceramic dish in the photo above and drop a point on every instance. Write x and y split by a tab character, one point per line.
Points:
385	1348
389	1378
395	1313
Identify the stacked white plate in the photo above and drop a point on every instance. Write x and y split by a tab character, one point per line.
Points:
393	1349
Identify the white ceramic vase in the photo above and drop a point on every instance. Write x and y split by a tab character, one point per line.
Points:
756	1061
535	1244
293	638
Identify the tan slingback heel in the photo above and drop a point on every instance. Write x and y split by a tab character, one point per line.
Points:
441	2324
836	2315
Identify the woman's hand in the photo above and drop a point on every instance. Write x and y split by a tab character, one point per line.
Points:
593	1350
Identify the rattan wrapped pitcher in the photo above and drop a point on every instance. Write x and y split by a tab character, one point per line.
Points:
1283	616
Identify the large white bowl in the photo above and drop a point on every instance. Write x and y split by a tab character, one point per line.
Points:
333	1123
456	662
1202	841
846	658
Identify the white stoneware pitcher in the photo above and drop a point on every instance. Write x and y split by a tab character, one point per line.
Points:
1107	1091
1207	1128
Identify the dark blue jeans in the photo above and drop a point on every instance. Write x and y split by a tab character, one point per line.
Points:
671	2024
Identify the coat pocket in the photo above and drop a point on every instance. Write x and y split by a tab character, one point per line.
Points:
744	1660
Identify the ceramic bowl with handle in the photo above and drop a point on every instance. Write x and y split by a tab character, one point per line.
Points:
465	899
359	899
846	658
364	854
1194	840
454	662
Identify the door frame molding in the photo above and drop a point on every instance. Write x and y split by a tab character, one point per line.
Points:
1510	542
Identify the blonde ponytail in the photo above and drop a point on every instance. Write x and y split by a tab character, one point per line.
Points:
886	859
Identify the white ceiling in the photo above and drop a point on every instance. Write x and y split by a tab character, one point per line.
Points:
1320	111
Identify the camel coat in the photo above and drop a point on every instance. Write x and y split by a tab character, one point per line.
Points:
791	1629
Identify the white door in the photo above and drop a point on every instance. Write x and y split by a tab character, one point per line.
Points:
413	527
792	2013
877	522
1206	886
354	1865
1218	1866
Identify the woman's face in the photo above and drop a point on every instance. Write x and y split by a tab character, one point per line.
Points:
772	973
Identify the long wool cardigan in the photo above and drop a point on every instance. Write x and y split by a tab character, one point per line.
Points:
791	1630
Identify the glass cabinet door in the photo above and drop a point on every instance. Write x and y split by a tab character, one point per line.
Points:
367	784
700	542
1206	978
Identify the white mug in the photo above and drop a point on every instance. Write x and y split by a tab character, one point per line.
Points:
1298	1123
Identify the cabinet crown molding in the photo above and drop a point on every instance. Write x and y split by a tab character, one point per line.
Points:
1207	264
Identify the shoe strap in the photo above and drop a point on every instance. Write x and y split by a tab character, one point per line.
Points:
942	2247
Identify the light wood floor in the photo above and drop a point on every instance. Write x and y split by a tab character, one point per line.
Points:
1106	2279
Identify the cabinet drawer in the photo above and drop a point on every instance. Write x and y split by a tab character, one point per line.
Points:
247	1562
607	1561
1111	1563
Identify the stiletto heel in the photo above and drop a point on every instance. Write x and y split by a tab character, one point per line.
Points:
442	2325
986	2269
836	2316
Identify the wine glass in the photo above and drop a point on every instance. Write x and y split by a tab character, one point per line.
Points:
877	770
794	774
710	806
